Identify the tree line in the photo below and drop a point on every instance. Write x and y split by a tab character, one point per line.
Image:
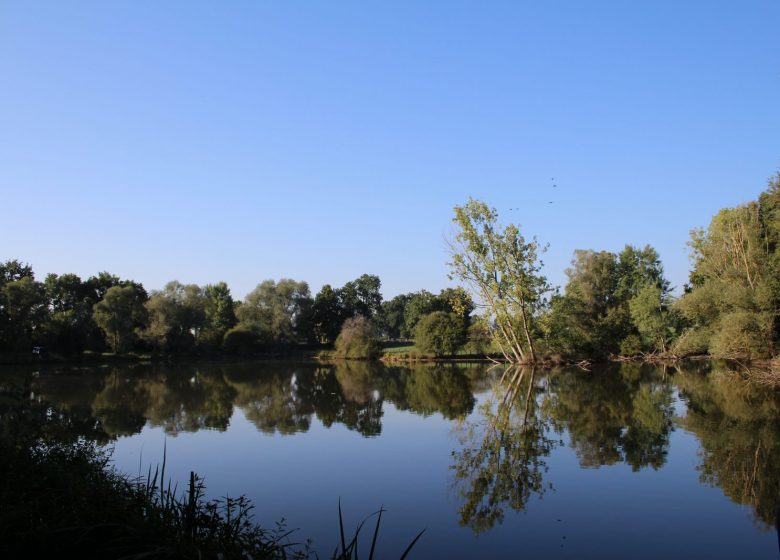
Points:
68	315
613	304
621	304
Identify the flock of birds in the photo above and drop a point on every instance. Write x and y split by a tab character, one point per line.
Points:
554	185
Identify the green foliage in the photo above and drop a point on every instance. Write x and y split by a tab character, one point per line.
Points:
440	333
418	306
241	340
361	297
631	345
278	312
220	314
23	312
70	328
651	316
479	340
327	314
332	307
504	272
119	314
393	315
176	317
358	339
595	317
733	302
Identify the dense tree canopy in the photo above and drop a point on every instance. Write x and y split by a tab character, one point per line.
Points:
119	314
733	301
278	312
440	333
612	303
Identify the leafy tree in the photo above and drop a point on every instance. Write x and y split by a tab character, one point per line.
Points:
361	297
419	305
654	320
505	273
119	314
241	339
593	318
278	312
358	339
102	283
392	316
70	326
220	315
22	312
440	333
326	314
733	302
478	337
332	307
13	270
177	315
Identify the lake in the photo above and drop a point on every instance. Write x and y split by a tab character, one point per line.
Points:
622	461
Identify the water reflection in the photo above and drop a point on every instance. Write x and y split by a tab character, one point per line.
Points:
501	463
279	398
738	427
617	414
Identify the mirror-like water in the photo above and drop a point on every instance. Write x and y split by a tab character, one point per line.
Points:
622	461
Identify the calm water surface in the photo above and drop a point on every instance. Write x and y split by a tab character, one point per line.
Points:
618	462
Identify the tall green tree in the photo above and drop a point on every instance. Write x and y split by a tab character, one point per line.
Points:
220	314
361	297
593	317
23	314
70	326
278	312
733	301
504	272
176	317
392	316
440	333
326	314
419	305
119	314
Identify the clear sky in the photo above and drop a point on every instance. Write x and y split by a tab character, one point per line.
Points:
239	141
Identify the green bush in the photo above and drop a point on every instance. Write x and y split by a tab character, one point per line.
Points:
240	340
631	345
358	339
439	333
742	335
479	338
692	342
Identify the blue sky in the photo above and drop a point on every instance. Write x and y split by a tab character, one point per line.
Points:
239	141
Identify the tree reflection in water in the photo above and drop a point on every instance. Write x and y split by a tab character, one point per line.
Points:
501	462
617	414
738	427
278	398
610	415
